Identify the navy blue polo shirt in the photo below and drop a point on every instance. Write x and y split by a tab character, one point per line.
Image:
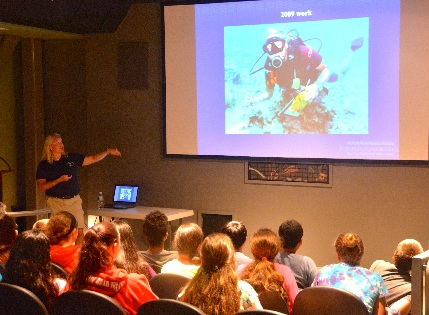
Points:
67	165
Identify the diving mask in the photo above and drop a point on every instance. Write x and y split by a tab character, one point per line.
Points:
274	45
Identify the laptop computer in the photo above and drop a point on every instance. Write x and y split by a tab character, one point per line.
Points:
124	197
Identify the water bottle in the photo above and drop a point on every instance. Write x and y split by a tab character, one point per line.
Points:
100	200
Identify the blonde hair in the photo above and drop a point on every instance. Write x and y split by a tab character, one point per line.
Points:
47	153
350	248
188	238
214	288
404	253
261	274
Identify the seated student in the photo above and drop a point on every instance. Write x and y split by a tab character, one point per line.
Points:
8	234
40	225
348	275
3	207
95	270
237	232
61	230
129	258
303	267
397	276
155	229
187	241
263	274
216	289
29	266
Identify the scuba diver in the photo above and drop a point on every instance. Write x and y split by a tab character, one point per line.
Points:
297	68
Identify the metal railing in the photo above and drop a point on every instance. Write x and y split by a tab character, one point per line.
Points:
419	289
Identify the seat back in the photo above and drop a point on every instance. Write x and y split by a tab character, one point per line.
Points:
260	312
325	300
273	301
19	301
86	302
168	307
59	271
168	285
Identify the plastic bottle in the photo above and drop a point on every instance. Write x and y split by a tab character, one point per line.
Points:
100	200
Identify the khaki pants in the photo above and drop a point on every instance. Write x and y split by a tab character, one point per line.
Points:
72	205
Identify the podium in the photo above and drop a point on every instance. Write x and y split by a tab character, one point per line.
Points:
9	170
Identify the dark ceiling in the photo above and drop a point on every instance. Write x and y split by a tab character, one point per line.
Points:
74	16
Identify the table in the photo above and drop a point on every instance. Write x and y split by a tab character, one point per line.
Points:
30	213
139	213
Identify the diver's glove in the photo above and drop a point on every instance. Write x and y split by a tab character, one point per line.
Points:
312	91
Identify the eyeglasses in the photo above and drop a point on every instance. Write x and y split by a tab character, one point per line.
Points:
274	45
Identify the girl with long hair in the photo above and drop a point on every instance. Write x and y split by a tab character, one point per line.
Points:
187	241
215	288
8	233
263	273
95	270
128	258
29	266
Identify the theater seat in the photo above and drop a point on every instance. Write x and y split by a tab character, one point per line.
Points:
325	300
19	301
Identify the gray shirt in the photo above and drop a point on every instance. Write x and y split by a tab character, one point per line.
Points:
303	267
157	260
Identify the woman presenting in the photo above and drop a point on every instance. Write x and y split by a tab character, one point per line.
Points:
57	176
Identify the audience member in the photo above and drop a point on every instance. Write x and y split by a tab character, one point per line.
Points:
8	234
61	230
303	267
95	270
215	289
3	207
397	276
187	241
237	232
263	274
40	225
155	229
29	266
349	276
128	257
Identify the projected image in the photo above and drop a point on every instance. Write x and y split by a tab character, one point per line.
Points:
125	194
297	78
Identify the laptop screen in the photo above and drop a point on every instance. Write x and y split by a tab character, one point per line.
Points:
125	193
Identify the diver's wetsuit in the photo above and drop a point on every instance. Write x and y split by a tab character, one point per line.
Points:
302	66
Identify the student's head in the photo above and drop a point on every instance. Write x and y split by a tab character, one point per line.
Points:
128	257
261	274
214	288
29	265
349	247
290	233
188	238
404	253
8	233
100	247
40	225
155	228
30	249
217	251
125	232
237	232
62	226
264	244
3	207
